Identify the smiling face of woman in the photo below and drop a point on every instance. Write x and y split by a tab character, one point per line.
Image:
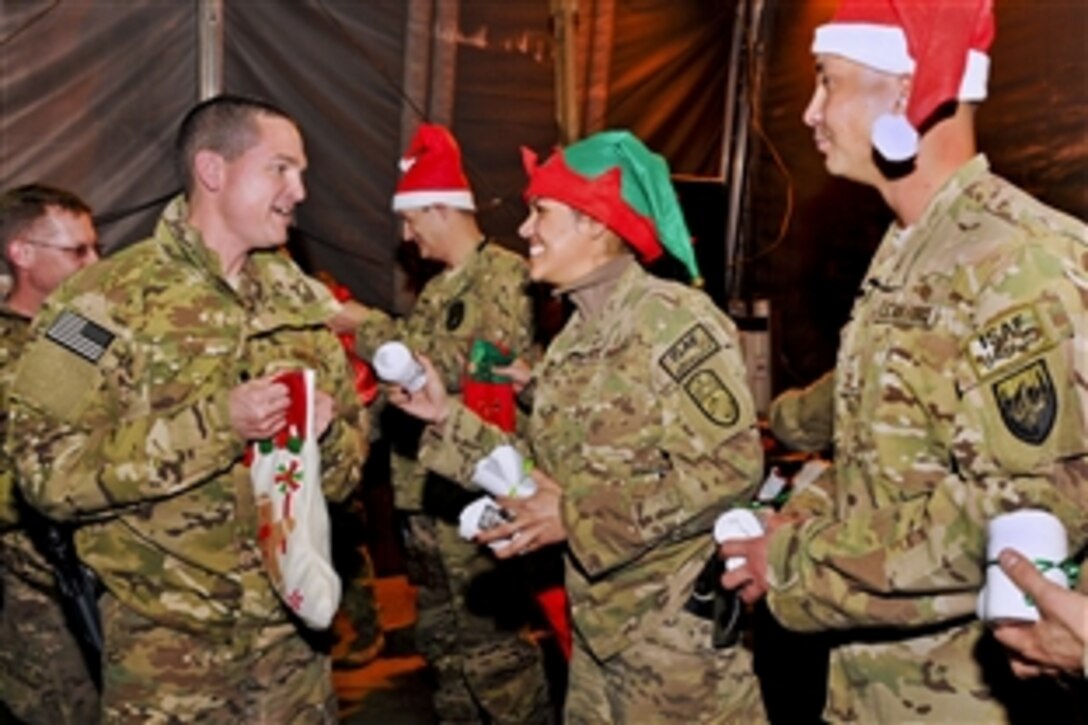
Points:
564	244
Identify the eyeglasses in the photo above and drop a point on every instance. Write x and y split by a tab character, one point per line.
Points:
80	251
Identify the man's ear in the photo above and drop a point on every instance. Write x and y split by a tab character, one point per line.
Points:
19	253
209	169
906	83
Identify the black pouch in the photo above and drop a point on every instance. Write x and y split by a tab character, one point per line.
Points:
710	601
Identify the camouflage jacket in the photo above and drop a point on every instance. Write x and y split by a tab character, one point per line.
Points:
804	419
642	415
121	400
961	391
18	555
485	297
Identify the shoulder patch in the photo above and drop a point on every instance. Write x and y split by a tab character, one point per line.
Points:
1011	338
79	335
1028	402
687	353
713	398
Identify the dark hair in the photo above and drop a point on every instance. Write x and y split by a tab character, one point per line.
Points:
24	205
223	124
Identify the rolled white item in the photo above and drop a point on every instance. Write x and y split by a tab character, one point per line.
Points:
773	485
502	473
481	515
394	363
1038	535
736	524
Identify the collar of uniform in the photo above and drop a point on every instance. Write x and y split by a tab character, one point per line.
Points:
6	311
591	292
183	241
601	330
897	251
272	290
459	278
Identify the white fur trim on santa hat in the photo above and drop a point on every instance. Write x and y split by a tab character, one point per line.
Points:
418	199
883	47
895	138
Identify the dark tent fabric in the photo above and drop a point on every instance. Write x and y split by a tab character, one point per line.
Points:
1033	128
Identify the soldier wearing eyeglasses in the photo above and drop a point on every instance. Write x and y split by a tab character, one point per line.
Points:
47	235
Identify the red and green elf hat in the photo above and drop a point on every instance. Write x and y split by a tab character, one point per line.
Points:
614	178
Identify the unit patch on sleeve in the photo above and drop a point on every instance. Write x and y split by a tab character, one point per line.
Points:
1011	338
687	353
713	398
1028	402
79	335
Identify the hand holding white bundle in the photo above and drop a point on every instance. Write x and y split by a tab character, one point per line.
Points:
503	472
1041	538
737	523
394	363
482	515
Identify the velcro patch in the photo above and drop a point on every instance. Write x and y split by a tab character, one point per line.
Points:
1028	402
1009	339
904	315
687	353
713	398
79	335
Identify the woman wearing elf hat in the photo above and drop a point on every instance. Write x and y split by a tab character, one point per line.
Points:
642	431
960	391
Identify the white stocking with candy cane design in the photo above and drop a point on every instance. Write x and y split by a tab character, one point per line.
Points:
292	516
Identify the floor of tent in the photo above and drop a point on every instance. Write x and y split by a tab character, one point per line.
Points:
392	689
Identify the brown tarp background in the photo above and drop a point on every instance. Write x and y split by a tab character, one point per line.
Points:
91	92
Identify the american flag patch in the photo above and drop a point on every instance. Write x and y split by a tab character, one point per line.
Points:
79	335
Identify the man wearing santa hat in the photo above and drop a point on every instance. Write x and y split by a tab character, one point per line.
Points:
486	672
961	389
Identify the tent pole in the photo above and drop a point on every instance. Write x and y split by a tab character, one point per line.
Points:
210	48
565	29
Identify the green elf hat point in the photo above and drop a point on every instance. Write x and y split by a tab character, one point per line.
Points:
614	178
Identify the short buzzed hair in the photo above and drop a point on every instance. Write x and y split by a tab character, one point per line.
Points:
24	205
223	124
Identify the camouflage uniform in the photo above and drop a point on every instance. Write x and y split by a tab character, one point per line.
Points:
804	419
960	393
641	414
122	402
43	677
480	663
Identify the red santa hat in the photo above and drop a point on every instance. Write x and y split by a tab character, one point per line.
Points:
432	172
942	45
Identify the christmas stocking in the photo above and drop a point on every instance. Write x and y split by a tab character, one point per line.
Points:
292	516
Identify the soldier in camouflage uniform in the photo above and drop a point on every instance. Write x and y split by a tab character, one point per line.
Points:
961	389
145	379
47	234
486	670
642	432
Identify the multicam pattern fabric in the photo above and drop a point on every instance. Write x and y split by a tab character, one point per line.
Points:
641	414
42	674
121	400
804	419
961	392
480	665
484	298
